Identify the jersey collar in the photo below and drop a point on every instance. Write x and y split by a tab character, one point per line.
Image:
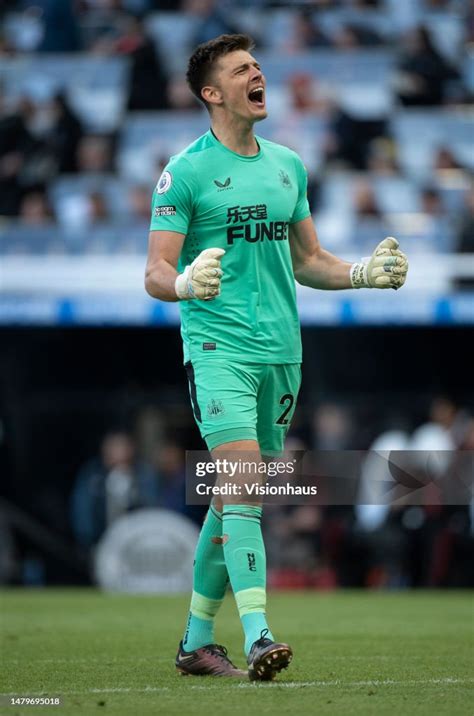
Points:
242	157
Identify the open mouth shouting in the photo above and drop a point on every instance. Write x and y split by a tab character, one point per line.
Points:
256	96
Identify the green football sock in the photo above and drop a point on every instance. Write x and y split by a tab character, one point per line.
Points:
244	553
209	583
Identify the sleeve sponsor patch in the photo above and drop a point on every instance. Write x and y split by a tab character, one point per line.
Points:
165	211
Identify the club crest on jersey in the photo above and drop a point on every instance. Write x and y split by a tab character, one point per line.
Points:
215	408
164	182
284	178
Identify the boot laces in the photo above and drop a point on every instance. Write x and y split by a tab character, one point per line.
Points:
217	650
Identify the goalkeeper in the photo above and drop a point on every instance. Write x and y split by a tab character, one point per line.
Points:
230	232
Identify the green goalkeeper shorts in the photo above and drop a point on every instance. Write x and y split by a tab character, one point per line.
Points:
240	401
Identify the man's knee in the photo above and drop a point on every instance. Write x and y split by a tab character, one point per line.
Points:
238	469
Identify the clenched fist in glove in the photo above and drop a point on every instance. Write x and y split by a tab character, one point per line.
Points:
202	279
386	268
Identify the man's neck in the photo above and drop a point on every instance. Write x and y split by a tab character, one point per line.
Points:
236	136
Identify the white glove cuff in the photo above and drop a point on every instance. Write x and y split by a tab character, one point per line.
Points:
183	287
358	275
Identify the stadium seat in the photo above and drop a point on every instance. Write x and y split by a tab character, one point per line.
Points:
68	188
420	132
95	86
172	32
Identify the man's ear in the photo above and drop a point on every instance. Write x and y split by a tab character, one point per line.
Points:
212	95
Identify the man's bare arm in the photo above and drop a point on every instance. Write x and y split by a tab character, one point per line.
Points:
200	280
312	265
317	268
164	248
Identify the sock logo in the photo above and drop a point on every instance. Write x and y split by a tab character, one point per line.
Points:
251	559
186	634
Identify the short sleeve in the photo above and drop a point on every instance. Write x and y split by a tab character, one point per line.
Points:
302	210
173	198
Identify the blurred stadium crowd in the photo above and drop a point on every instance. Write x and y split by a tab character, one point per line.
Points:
141	464
373	94
374	545
366	545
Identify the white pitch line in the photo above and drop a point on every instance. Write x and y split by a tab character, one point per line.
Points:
336	682
447	681
373	682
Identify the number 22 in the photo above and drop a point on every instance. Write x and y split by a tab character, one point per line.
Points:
287	399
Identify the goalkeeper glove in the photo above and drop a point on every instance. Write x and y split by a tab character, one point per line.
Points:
202	279
386	268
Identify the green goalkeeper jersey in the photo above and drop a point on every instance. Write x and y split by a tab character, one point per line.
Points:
220	199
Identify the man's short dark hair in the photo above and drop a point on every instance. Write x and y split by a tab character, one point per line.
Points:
202	61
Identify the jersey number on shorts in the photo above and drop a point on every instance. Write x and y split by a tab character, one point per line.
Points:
288	401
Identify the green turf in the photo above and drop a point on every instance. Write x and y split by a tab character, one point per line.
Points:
356	653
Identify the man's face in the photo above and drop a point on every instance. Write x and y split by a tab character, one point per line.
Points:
241	85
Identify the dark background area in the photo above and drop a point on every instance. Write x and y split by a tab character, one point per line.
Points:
61	389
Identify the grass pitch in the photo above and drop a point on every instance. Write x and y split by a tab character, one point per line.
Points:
356	653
